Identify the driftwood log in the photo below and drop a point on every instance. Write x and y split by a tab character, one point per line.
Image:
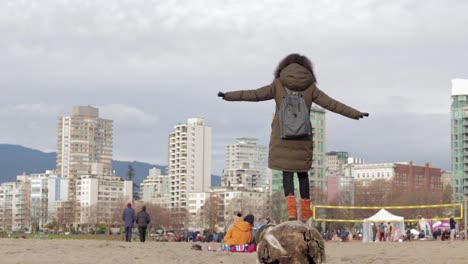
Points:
291	242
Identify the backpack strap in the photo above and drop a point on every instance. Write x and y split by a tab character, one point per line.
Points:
291	92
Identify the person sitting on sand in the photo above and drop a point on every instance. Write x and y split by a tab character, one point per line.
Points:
240	233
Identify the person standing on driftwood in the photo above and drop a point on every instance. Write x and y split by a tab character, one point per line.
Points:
293	77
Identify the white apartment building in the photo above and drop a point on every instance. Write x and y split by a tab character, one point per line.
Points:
339	171
83	139
155	188
101	197
335	162
46	189
189	168
246	153
15	204
196	202
30	201
241	177
369	172
196	206
228	202
446	178
39	206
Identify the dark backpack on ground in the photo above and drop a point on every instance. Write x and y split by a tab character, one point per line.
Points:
294	116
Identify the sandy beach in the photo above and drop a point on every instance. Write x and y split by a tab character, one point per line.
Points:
32	251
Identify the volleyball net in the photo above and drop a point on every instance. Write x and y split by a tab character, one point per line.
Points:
411	213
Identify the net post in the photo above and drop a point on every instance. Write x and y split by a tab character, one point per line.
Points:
465	216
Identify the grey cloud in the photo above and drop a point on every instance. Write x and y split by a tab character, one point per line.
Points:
393	137
168	59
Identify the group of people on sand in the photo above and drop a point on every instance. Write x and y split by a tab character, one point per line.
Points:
385	232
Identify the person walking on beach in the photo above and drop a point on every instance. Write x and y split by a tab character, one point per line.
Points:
452	228
142	220
294	79
128	216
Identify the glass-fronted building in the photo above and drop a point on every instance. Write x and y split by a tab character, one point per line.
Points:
459	139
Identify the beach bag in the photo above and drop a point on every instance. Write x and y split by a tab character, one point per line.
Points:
251	248
248	248
294	116
196	247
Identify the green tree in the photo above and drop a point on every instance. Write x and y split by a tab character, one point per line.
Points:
130	177
130	173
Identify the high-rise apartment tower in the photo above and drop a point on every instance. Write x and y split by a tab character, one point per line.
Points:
189	168
459	139
83	139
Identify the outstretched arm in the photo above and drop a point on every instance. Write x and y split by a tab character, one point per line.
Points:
260	94
333	105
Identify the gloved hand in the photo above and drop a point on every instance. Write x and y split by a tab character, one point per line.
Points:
362	115
221	94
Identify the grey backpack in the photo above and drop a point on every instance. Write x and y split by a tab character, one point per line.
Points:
294	116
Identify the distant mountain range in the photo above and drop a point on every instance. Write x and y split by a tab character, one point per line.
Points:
15	159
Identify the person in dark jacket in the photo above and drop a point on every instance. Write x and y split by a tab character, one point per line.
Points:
452	227
374	231
128	216
291	156
142	220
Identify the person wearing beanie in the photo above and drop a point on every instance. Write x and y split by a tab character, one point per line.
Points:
129	217
142	219
249	219
241	232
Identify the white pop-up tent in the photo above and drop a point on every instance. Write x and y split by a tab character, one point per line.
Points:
385	217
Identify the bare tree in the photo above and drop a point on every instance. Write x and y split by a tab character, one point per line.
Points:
66	215
179	218
211	212
116	212
91	216
373	193
258	206
420	197
60	217
159	216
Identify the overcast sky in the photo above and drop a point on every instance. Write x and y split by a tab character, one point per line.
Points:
150	65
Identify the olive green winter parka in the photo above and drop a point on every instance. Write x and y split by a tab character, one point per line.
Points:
292	154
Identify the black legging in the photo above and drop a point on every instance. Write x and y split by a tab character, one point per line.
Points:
288	183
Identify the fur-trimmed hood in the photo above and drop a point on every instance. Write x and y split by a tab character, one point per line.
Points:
296	77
